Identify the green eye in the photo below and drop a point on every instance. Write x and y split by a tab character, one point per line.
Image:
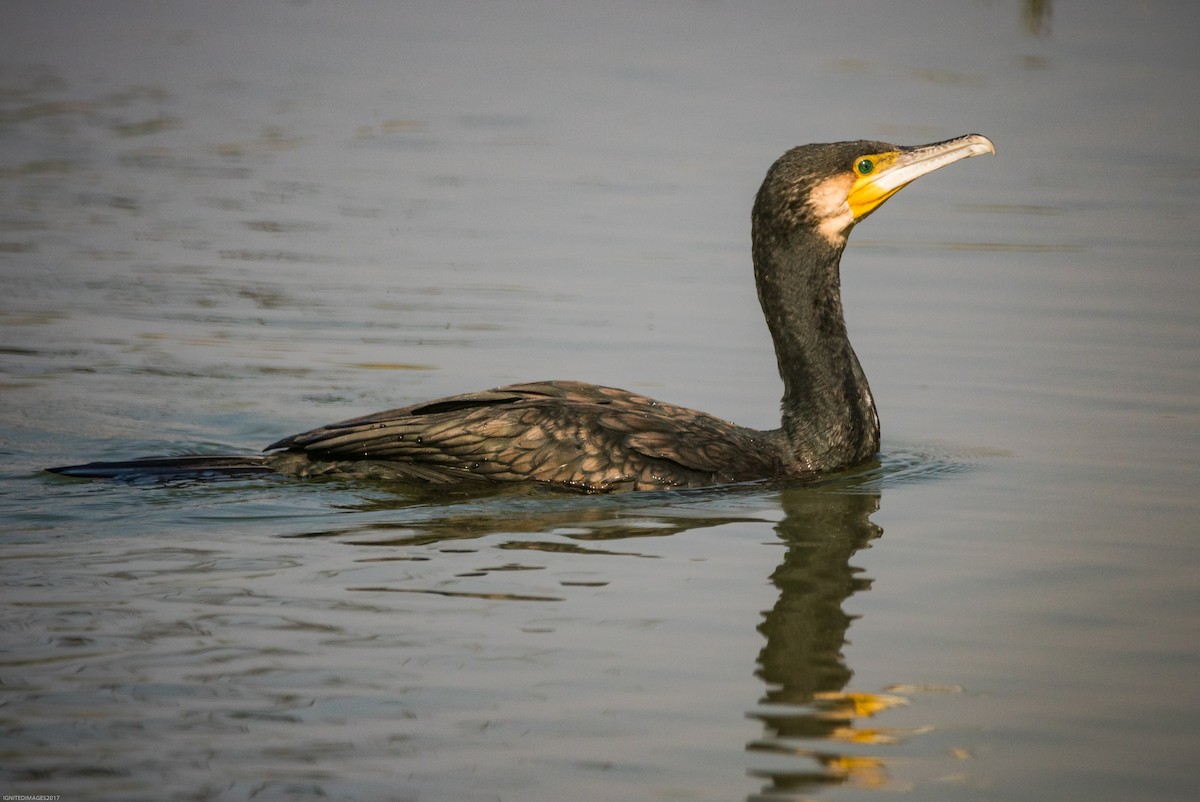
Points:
865	166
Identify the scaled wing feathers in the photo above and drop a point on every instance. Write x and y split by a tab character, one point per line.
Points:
568	433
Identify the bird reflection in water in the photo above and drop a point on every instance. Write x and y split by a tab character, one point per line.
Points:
814	733
807	708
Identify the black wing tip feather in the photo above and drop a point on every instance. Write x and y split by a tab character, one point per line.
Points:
166	468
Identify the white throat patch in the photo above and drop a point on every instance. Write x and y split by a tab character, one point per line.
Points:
829	203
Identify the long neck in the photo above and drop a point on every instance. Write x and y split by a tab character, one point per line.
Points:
829	418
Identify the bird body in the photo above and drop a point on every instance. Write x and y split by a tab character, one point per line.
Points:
601	439
566	433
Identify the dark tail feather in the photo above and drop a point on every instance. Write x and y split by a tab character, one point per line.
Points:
168	468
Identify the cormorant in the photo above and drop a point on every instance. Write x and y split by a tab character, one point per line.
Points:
600	439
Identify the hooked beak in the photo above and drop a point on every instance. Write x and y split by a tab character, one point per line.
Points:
896	170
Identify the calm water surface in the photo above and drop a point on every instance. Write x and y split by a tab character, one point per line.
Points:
223	222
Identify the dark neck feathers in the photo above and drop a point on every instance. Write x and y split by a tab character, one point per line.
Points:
829	418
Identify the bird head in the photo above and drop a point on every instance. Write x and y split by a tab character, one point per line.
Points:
831	186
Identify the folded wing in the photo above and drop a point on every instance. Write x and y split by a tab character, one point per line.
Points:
566	433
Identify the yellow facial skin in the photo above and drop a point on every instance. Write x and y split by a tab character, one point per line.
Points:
867	193
879	176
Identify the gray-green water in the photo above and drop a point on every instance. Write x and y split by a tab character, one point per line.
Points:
225	222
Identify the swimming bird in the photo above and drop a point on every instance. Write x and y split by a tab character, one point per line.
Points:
600	439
